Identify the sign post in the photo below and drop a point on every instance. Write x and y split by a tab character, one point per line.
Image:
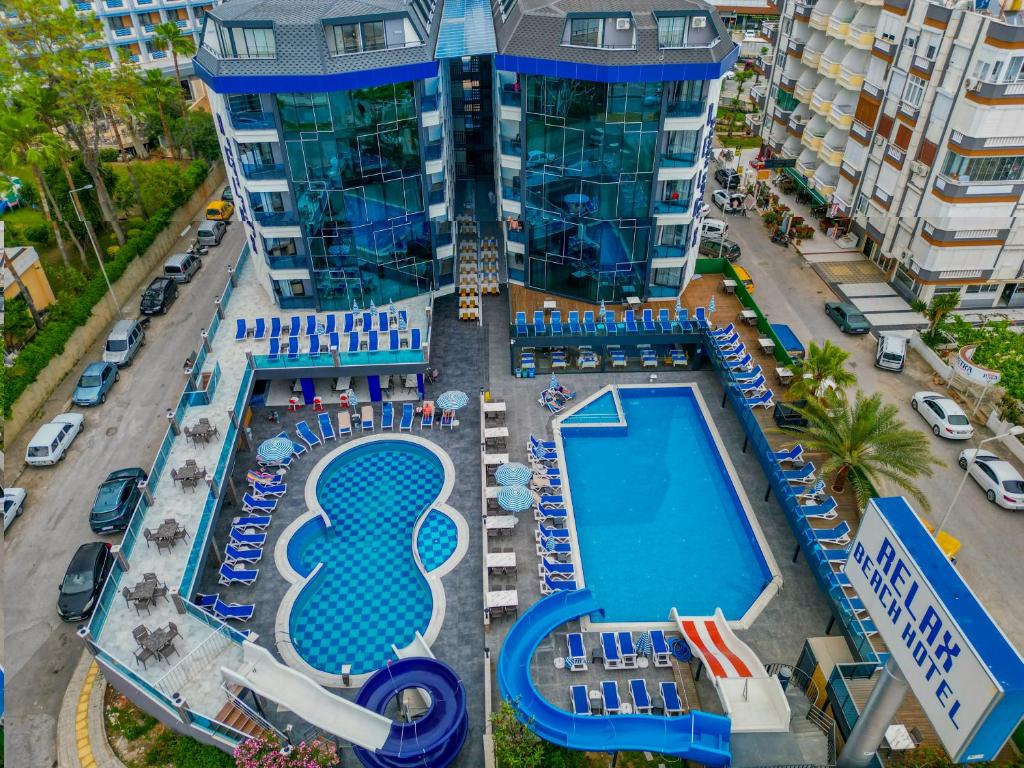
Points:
881	708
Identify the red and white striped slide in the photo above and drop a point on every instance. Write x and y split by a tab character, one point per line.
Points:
722	652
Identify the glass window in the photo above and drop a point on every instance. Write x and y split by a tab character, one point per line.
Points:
343	38
984	168
585	32
373	36
250	43
914	92
672	32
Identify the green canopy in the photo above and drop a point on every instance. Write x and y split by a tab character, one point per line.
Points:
802	183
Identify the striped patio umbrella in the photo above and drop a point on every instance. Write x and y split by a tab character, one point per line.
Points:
711	304
392	312
373	308
275	449
643	644
679	308
515	498
602	309
452	400
554	382
513	473
355	305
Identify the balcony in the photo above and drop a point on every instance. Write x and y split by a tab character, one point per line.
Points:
686	108
511	147
796	125
671	159
676	206
828	64
181	23
276	218
885	47
163	55
433	150
435	195
812	54
821	102
429	102
83	6
850	77
794	48
253	121
806	166
123	31
998	93
813	137
287	262
860	130
832	153
922	65
803	92
110	4
262	171
862	29
839	21
802	10
841	115
509	192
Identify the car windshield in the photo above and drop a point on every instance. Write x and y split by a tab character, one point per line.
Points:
90	380
39	451
117	345
957	420
1014	486
892	356
152	295
77	582
108	497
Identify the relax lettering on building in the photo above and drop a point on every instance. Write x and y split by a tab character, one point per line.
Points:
962	669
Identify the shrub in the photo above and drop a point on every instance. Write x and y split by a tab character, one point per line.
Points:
39	234
133	233
515	745
29	194
262	752
135	222
109	155
112	250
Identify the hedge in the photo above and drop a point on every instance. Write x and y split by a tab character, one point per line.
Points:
69	314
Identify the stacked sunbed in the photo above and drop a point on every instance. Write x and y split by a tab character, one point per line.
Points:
350	332
469	272
746	377
489	280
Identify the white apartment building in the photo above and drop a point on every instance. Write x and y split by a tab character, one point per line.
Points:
907	116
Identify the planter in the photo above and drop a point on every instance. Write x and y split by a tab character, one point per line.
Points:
930	356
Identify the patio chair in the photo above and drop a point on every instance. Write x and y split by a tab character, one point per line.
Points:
721	333
765	400
611	325
276	491
580	698
251	503
665	321
684	320
576	657
161	591
307	435
543	532
649	358
549	586
742	376
140	633
151	537
802	476
415	341
259	522
233	611
588	322
702	318
323	420
627	649
142	655
274	351
789	455
275	327
660	653
228	575
353	342
824	511
648	321
618	358
366	418
629	320
311	325
610	649
610	697
345	423
555	569
314	346
372	341
234	555
181	534
293	348
838	535
670	703
408	416
742	364
521	328
387	416
259	330
448	419
168	650
294	326
556	322
679	358
331	325
241	536
539	326
574	322
641	699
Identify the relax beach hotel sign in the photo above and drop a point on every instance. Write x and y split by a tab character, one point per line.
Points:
967	676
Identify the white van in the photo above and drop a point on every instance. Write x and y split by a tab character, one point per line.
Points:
181	266
124	341
715	227
891	353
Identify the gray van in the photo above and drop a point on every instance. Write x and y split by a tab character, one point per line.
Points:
211	232
181	266
124	341
891	353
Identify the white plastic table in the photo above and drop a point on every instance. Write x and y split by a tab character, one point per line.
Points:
501	523
501	561
503	598
898	738
493	433
495	459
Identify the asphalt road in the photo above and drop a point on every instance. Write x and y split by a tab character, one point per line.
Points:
41	650
788	290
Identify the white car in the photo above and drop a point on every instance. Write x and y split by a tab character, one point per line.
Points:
52	441
946	418
727	202
999	479
14	504
715	227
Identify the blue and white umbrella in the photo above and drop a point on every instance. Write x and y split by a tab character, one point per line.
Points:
513	473
391	309
275	449
353	401
553	385
711	304
602	309
643	644
373	308
515	498
355	305
452	400
679	309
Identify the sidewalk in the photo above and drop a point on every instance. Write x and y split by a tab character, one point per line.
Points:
81	739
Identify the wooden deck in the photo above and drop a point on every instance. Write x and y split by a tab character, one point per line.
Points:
528	300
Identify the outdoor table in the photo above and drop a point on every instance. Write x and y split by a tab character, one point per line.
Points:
898	738
501	524
729	285
633	301
503	598
142	592
157	640
784	375
495	433
385	382
748	316
495	459
410	381
766	344
492	491
501	562
204	430
190	474
167	530
494	408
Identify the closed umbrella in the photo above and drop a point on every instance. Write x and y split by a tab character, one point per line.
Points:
554	383
452	400
353	401
513	473
515	498
373	308
275	449
679	309
711	304
643	644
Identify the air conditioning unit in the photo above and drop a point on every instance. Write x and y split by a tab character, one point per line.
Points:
698	22
879	141
970	83
918	168
622	23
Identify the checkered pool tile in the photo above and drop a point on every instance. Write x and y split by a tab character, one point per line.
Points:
437	540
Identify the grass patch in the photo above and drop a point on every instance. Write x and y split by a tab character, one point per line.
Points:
740	142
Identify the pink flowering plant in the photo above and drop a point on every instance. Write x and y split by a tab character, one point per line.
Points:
265	752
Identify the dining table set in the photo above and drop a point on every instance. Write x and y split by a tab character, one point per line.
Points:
158	643
202	432
167	534
145	593
189	475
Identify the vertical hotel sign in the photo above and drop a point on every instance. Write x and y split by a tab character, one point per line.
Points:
966	675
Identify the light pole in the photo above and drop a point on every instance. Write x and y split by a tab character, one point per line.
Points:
1014	431
92	239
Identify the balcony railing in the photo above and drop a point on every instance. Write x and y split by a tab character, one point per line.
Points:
516	235
123	31
258	171
276	218
83	6
686	108
163	55
510	97
510	193
429	102
511	146
672	206
671	159
114	3
251	121
434	150
436	195
287	262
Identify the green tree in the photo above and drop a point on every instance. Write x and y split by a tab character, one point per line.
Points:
196	129
936	311
823	371
865	443
170	38
160	92
515	745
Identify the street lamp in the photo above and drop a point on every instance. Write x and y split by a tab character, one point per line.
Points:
92	239
1014	431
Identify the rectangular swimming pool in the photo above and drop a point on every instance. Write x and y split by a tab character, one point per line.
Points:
658	520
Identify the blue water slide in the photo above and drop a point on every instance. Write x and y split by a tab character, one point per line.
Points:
699	736
434	739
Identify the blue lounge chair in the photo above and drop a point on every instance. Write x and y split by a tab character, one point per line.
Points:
543	532
834	557
552	502
659	649
851	603
239	536
839	579
684	320
576	656
732	355
297	448
521	328
702	318
408	416
348	322
610	648
721	333
382	321
235	611
556	322
258	522
387	416
275	327
234	554
742	364
610	697
751	387
427	415
372	342
724	342
229	575
314	346
414	339
331	326
588	322
306	435
546	445
648	321
294	325
649	358
665	321
538	323
367	321
629	320
789	455
555	569
311	325
753	373
552	547
353	342
803	476
627	649
251	503
670	703
618	357
275	350
293	348
240	330
811	495
323	420
259	330
549	586
205	601
837	535
641	699
448	419
824	511
611	326
679	357
764	400
393	341
574	322
580	698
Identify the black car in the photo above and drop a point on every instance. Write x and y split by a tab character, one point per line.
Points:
728	178
116	500
83	581
787	416
160	294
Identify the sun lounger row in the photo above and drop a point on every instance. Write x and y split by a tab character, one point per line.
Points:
618	650
348	343
737	361
313	325
611	704
225	611
607	323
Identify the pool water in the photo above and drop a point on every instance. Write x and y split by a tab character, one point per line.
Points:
369	594
658	521
600	409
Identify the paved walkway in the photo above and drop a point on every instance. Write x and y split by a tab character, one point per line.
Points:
81	739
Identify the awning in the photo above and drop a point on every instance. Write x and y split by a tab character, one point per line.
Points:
802	183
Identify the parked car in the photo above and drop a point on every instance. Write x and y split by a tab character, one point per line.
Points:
536	157
83	581
727	202
14	504
719	247
95	382
124	341
787	416
847	317
744	277
946	418
51	441
220	210
160	294
116	500
728	178
227	195
998	478
181	267
891	353
713	227
211	232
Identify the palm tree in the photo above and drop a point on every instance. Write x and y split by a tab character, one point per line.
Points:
936	310
824	370
9	266
160	91
24	140
169	37
866	443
